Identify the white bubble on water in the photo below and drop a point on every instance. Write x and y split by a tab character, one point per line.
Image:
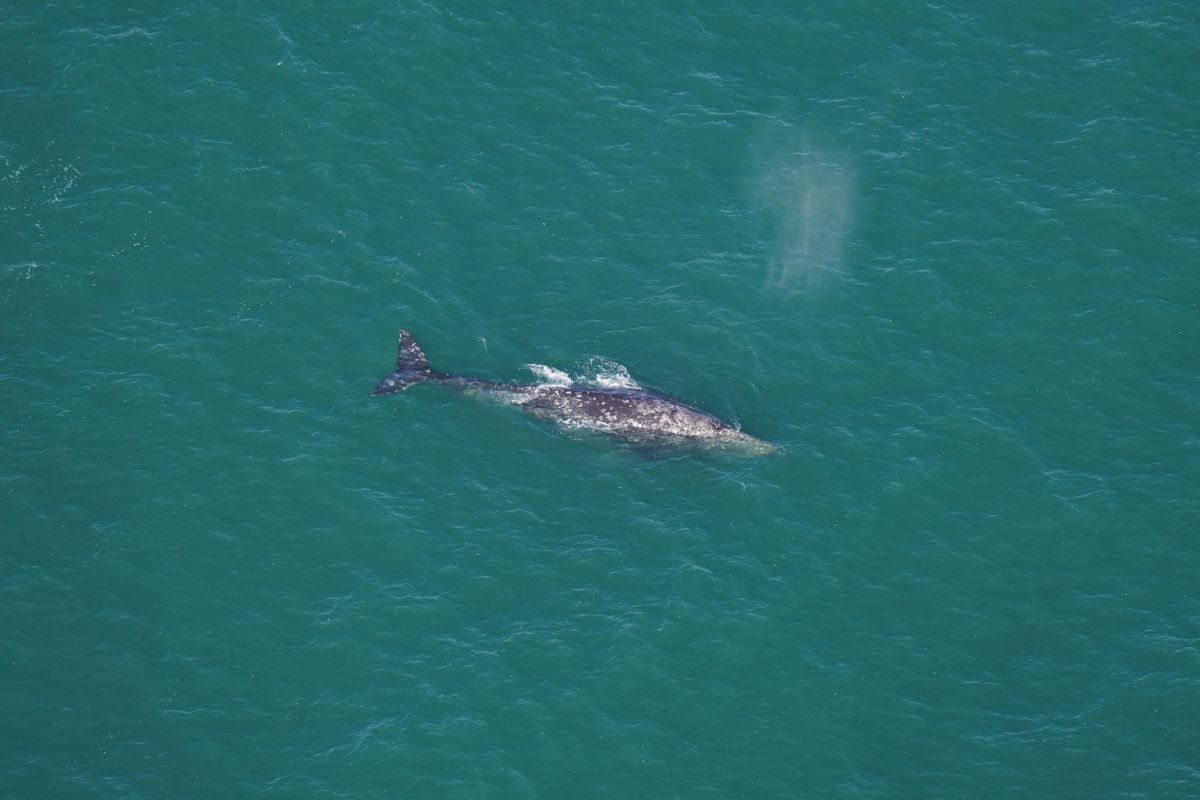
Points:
606	374
549	376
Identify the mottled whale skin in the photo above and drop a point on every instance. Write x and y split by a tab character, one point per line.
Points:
630	414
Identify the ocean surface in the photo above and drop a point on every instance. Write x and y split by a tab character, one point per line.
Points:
945	256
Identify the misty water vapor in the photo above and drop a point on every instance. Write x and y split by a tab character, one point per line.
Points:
809	195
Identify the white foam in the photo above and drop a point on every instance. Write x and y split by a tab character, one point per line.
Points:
600	373
549	375
606	374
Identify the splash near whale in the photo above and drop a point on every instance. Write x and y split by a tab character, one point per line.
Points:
627	413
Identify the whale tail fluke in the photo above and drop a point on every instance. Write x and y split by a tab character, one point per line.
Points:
412	367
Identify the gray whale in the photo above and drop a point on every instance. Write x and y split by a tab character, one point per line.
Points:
630	414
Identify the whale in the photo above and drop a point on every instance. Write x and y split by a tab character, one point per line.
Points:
629	414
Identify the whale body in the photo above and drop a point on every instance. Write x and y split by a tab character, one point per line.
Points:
629	414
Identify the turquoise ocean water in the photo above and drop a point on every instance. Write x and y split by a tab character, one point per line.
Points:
944	255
